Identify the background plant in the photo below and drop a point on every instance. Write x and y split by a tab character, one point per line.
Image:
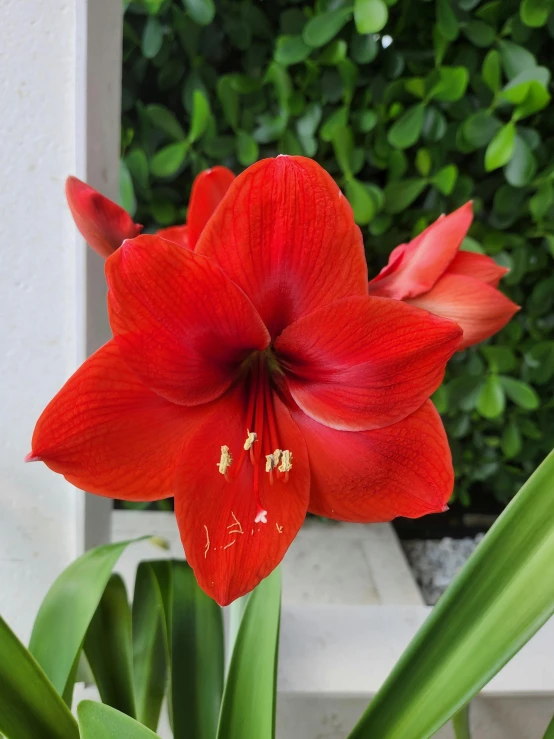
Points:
414	107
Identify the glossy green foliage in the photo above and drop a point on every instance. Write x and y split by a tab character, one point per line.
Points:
248	708
97	721
66	613
29	705
414	107
197	656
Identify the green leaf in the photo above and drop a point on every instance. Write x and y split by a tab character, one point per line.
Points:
150	644
400	195
534	13
108	648
515	58
500	150
248	708
197	657
451	84
407	129
517	88
479	128
169	160
491	400
509	573
520	393
480	33
164	120
291	50
229	99
67	610
103	722
127	198
550	731
370	16
30	708
446	20
522	167
152	37
423	162
364	49
499	358
336	122
362	200
137	165
460	723
200	115
511	443
323	28
491	71
537	99
343	146
445	179
247	148
201	11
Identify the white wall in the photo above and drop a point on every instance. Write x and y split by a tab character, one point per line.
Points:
45	123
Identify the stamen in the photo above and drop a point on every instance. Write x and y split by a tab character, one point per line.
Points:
250	439
286	461
226	460
261	517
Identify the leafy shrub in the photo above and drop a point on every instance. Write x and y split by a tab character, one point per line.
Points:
414	107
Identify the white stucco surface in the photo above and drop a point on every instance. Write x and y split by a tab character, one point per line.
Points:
43	134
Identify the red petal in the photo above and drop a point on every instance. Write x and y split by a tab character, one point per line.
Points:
478	266
108	434
229	552
177	234
481	310
102	223
286	235
370	476
208	190
179	321
425	258
364	363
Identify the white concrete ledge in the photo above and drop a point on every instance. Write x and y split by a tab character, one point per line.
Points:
349	650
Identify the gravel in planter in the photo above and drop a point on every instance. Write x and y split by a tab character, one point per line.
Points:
435	562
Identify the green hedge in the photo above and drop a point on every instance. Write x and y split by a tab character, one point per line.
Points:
414	107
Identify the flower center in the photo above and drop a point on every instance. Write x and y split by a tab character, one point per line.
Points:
261	446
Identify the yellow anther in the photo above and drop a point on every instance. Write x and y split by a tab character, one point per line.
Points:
286	461
225	460
272	460
250	439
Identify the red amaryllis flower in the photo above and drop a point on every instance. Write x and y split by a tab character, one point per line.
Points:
433	274
254	379
105	225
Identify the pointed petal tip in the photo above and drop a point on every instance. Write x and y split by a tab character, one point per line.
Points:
31	457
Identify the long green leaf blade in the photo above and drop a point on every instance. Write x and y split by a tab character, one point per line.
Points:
550	731
502	596
460	723
197	657
97	721
29	706
67	610
248	708
108	648
150	646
